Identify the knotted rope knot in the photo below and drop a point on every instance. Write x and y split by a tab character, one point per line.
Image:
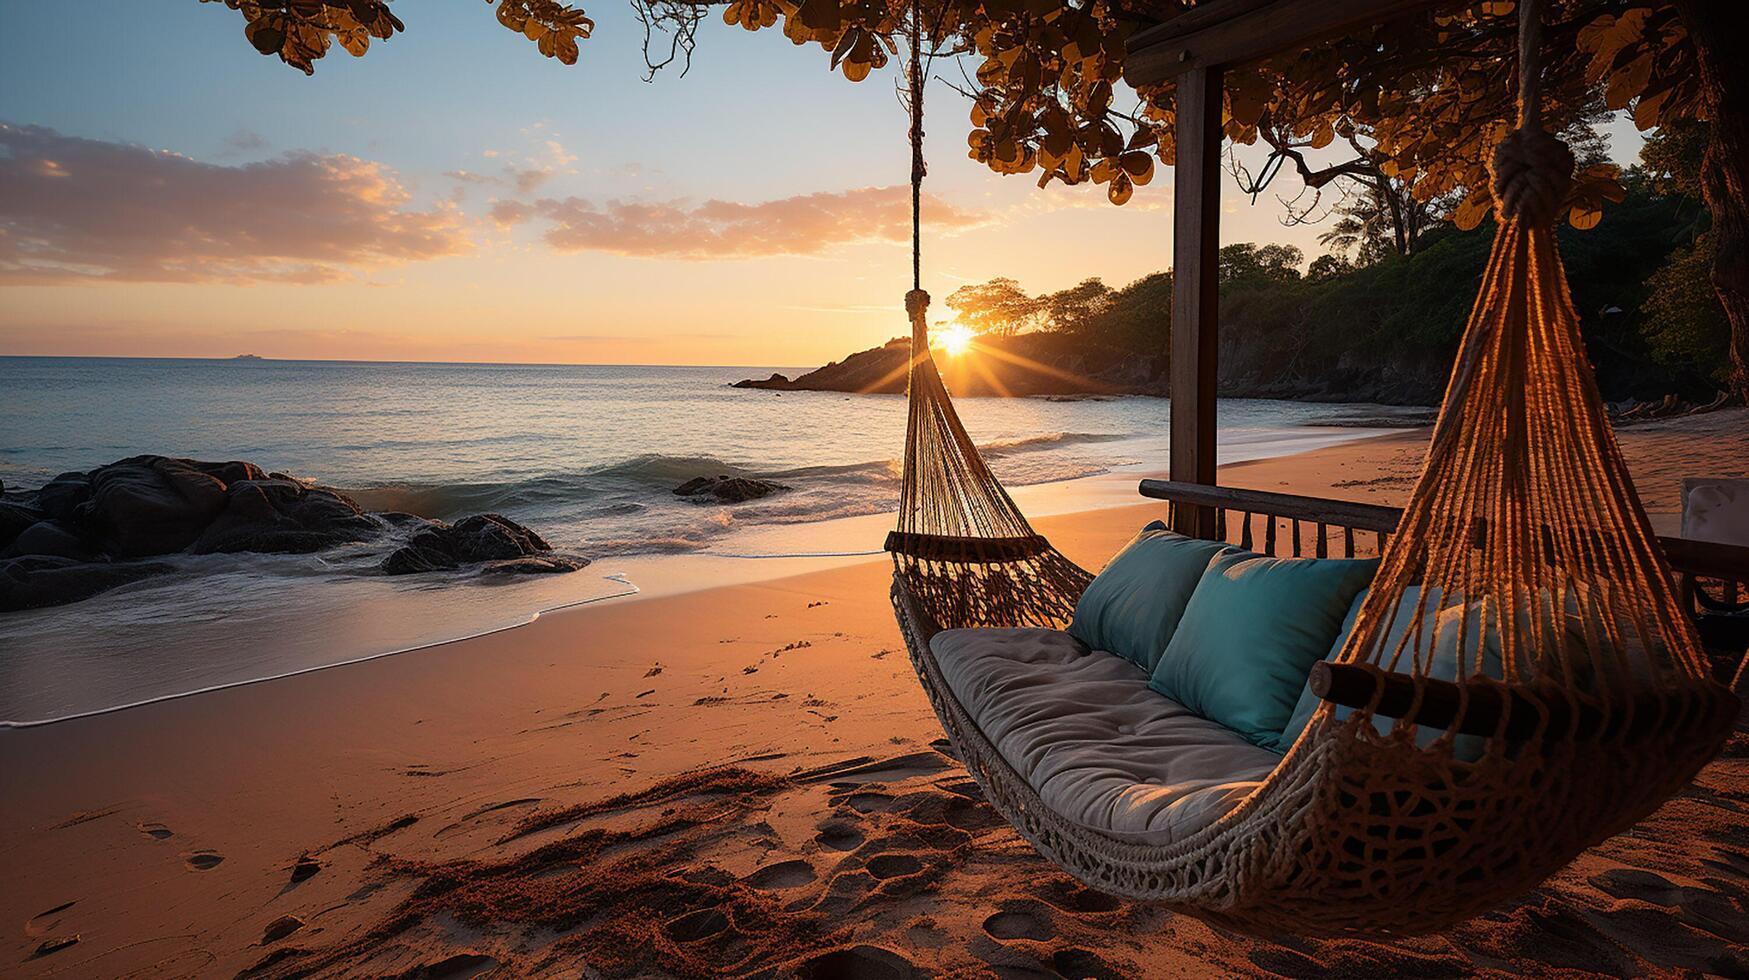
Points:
1532	171
917	304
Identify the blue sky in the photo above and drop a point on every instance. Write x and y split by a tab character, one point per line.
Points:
743	213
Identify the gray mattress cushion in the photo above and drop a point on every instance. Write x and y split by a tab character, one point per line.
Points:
1096	744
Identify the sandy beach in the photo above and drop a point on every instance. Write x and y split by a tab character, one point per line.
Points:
734	781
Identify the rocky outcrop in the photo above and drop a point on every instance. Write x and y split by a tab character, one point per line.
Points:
727	489
34	581
84	533
283	516
52	539
1028	364
495	543
155	505
15	517
1057	365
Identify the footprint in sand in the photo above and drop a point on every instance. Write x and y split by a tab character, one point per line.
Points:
884	866
280	928
867	802
461	966
203	860
463	822
838	836
697	925
1701	908
1078	898
1021	921
43	923
55	945
1081	964
305	869
156	831
788	874
859	963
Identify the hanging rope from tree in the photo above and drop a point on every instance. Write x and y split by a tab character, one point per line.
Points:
960	542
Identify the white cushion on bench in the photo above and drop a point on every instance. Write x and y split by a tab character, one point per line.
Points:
1098	746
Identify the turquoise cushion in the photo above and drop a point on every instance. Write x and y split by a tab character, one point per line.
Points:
1439	637
1133	606
1251	633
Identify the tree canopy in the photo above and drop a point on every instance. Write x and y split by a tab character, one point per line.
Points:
1415	105
1421	100
1388	330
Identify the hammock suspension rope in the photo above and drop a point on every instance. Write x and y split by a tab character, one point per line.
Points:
1523	555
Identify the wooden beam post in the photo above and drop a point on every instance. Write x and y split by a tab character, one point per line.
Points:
1196	244
1228	32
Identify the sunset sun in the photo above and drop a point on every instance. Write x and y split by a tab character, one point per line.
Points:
955	338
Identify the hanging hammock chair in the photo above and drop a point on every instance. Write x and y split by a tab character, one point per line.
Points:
1523	518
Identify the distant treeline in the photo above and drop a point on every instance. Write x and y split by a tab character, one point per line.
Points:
1386	330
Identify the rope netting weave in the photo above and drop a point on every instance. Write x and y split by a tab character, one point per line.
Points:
1523	549
960	543
1523	574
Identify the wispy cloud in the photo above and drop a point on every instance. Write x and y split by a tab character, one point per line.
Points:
806	224
79	210
546	159
242	142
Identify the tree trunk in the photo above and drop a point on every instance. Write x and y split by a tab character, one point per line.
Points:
1714	26
1389	193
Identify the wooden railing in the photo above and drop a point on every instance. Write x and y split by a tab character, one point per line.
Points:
1712	576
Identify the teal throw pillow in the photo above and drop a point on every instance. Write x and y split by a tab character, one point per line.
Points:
1133	606
1251	633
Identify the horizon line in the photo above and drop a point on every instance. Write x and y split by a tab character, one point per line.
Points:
248	358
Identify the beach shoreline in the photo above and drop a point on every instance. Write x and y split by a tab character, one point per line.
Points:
761	746
226	620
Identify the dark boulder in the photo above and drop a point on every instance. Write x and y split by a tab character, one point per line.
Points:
154	505
36	581
52	539
475	540
283	516
15	516
727	489
62	497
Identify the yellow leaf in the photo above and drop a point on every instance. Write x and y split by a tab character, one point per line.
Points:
1471	211
1647	110
1120	189
1584	217
1626	84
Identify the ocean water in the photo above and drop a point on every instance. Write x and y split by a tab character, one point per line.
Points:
586	455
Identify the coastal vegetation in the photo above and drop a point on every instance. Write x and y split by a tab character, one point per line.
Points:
1367	321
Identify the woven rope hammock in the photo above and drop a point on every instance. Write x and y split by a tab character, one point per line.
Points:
1523	546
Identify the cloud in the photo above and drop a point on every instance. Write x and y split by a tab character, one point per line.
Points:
547	159
242	142
82	210
803	225
527	181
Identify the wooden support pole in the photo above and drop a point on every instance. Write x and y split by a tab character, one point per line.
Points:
1479	707
1196	243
